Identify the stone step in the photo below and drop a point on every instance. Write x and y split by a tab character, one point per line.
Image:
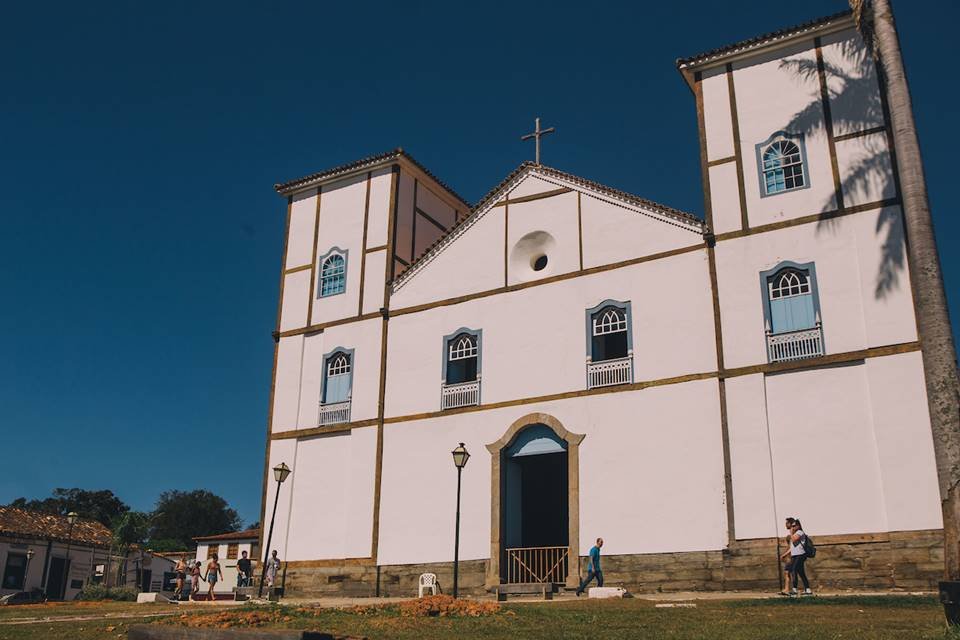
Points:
544	589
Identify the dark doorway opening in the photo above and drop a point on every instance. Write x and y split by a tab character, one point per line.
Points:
57	578
535	507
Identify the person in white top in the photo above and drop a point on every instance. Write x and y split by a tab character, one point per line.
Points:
787	566
798	556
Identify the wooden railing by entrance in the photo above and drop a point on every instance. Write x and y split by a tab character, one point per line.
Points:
535	564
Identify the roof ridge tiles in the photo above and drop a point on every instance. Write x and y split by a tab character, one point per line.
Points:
762	39
333	172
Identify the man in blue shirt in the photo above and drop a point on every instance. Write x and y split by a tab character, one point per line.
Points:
593	568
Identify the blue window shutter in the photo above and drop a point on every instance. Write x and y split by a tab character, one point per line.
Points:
792	314
337	389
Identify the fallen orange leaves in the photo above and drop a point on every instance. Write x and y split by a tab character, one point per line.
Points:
447	606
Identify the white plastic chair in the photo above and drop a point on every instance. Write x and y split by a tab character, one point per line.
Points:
427	581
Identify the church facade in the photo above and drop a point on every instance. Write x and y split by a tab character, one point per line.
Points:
615	367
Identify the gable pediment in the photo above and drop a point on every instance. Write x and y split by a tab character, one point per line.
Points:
538	223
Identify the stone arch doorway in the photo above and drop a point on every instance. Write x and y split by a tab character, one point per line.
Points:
537	445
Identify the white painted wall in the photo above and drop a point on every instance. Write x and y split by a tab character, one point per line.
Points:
847	252
296	298
83	561
557	216
716	114
866	173
769	94
286	398
280	451
725	198
374	278
470	264
379	208
331	514
675	459
341	225
750	461
531	185
529	352
227	565
303	215
474	261
901	425
852	80
430	202
613	232
859	459
80	566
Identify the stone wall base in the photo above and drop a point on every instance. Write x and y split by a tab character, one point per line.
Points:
902	560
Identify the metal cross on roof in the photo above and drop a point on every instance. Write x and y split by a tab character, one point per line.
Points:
536	135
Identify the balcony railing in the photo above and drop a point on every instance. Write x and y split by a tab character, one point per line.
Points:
535	564
334	413
463	394
607	373
795	345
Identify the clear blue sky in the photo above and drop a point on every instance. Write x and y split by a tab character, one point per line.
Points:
139	142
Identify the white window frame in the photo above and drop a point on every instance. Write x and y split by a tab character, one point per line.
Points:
340	274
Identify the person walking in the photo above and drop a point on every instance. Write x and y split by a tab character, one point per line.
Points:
243	570
593	568
273	566
798	557
788	565
181	572
195	577
214	573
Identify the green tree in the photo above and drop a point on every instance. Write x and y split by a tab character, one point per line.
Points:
184	515
102	506
129	528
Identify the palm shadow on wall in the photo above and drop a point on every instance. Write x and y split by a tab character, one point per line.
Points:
855	105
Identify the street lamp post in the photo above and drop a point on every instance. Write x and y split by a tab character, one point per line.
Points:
460	457
72	519
280	472
26	571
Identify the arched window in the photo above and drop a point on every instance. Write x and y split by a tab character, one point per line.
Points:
338	377
789	282
609	334
333	274
791	301
791	312
781	161
462	358
609	344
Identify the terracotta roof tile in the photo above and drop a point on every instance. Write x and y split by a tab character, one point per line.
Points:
370	161
35	524
760	40
249	534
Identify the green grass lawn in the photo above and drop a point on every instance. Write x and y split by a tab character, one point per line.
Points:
909	617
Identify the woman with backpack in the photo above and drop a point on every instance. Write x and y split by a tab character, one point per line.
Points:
798	556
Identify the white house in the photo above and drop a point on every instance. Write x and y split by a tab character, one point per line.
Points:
616	367
229	548
46	552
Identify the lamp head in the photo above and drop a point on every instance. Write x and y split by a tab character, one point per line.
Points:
72	517
281	471
460	456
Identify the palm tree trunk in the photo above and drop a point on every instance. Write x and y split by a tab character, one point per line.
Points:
933	322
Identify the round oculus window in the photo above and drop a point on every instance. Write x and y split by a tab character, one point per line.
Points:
540	263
